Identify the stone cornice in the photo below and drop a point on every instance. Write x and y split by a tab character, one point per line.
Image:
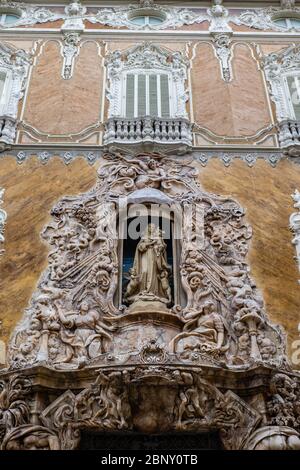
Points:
226	154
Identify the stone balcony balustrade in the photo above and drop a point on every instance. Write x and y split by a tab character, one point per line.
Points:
148	130
289	137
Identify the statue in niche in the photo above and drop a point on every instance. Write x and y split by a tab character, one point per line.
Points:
84	332
149	276
204	331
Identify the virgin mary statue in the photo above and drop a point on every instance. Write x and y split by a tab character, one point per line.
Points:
149	275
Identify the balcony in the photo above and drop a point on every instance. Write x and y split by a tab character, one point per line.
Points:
148	130
289	137
7	131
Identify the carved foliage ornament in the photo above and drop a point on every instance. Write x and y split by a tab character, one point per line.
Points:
295	225
277	66
74	319
14	65
264	18
3	217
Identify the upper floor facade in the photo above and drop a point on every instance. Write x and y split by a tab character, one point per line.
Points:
157	75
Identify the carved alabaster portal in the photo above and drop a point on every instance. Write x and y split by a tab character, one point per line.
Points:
74	317
150	355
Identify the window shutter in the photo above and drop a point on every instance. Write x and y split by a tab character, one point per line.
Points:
164	95
130	95
294	89
142	95
153	105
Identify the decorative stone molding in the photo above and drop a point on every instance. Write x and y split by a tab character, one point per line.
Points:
3	217
295	225
277	66
147	56
172	17
14	64
202	156
75	13
223	50
69	51
262	18
219	18
29	15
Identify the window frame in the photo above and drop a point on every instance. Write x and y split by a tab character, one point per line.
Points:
287	93
3	15
146	72
6	93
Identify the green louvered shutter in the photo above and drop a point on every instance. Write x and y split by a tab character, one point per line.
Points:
153	104
130	95
141	95
294	88
164	96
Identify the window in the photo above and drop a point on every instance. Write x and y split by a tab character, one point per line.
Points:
147	94
293	85
8	18
146	20
288	23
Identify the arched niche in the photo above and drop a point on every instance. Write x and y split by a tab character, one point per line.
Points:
135	212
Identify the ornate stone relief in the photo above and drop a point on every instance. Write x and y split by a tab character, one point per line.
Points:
29	15
69	51
147	56
276	65
262	18
3	217
295	225
14	64
133	358
222	44
74	17
80	285
219	18
203	157
172	17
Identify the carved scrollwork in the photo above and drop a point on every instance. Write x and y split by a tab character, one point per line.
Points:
14	406
73	318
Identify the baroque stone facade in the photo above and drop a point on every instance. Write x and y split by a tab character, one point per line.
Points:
145	356
136	296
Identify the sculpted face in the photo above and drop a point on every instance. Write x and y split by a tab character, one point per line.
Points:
84	307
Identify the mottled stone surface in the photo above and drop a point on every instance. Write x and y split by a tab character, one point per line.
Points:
231	109
57	106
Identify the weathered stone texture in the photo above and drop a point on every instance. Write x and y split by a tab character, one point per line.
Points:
230	109
57	106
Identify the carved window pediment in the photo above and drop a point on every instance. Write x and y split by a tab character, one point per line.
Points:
167	69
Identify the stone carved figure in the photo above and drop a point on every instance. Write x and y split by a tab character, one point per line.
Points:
74	315
203	331
149	274
84	332
284	405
